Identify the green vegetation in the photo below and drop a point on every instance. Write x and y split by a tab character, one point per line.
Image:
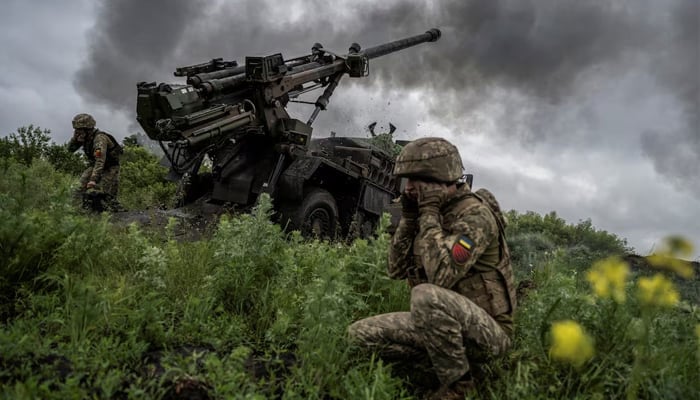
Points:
142	179
31	142
90	309
536	240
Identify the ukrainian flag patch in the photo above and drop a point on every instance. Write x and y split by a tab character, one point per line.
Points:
462	250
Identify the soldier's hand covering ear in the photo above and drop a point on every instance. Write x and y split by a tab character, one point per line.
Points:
431	196
409	207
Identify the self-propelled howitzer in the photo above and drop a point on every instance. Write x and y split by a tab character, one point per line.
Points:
236	116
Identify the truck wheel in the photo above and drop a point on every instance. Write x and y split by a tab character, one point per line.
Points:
317	215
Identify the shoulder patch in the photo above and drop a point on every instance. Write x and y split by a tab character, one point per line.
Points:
462	250
98	152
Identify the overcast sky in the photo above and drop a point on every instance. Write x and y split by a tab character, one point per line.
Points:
586	108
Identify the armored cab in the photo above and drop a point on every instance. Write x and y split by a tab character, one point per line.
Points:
341	185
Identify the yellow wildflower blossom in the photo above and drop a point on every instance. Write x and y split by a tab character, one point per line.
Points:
678	246
667	261
671	254
657	291
608	277
570	343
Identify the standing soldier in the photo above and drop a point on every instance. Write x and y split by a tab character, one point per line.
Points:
102	151
450	246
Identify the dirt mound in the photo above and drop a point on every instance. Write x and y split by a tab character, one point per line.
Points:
192	222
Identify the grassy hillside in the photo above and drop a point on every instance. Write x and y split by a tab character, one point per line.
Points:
92	309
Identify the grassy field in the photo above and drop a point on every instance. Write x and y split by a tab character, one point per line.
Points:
93	309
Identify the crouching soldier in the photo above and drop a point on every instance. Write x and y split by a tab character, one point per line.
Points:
99	183
450	246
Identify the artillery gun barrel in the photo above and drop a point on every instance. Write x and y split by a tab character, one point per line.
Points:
196	80
222	85
220	78
226	79
377	51
218	129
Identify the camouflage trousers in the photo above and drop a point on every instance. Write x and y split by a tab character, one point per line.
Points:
108	184
443	323
104	196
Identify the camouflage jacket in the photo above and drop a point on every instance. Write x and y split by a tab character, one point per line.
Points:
102	151
462	248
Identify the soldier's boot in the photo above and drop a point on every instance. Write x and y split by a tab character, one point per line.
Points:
96	201
456	391
90	201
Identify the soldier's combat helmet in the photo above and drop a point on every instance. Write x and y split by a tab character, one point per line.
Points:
83	121
430	158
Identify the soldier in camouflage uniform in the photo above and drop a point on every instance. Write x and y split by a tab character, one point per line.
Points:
102	151
450	246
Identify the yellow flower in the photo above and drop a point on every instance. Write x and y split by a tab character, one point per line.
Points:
570	343
678	246
667	261
657	291
608	277
670	256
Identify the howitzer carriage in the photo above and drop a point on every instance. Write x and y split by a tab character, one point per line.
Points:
236	116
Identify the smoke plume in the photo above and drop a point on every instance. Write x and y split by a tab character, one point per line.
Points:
548	63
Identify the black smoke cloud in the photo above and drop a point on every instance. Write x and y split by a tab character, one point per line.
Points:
545	51
131	41
676	150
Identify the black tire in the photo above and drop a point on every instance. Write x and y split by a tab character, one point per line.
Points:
316	216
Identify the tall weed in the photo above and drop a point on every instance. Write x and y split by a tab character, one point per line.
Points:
91	310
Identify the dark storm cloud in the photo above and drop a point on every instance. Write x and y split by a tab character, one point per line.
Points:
131	41
676	149
545	51
540	46
37	65
551	52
